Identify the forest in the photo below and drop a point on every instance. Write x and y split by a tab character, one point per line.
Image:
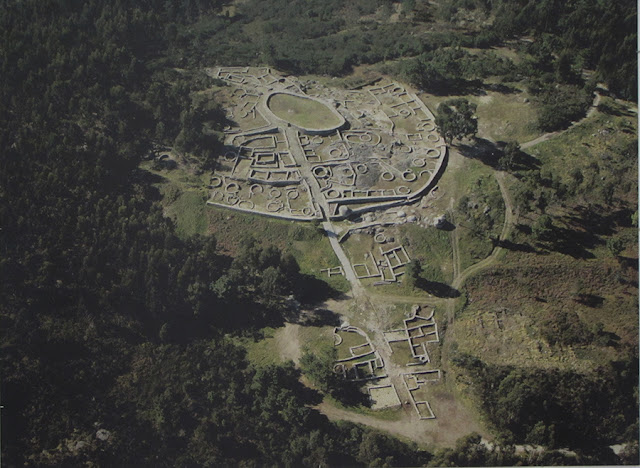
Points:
116	334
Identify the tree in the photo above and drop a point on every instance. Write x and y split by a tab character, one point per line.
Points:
412	273
542	227
456	119
318	366
615	245
425	75
510	155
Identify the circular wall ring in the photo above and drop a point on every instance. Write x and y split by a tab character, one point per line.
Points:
362	168
317	140
349	137
247	204
274	193
293	194
244	115
366	137
274	206
409	176
387	176
380	238
332	193
404	112
307	211
232	187
337	341
255	188
215	181
432	137
321	172
419	162
428	126
346	171
230	156
403	190
335	152
425	172
433	153
406	149
232	199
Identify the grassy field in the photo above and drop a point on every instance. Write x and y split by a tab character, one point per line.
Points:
303	240
432	248
387	414
184	200
303	112
501	116
188	212
512	307
600	147
277	345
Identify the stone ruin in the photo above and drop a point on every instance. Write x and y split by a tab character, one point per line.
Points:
383	151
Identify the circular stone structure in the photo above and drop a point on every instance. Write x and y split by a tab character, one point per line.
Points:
309	115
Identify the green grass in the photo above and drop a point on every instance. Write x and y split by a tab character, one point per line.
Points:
263	352
189	214
501	116
314	337
387	414
597	147
349	340
401	353
303	112
304	241
432	247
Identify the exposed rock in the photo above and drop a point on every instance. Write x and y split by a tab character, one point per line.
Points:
401	214
103	434
440	221
344	211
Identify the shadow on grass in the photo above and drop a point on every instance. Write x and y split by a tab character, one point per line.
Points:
349	393
628	262
572	242
584	229
312	290
490	154
437	289
515	247
318	317
589	300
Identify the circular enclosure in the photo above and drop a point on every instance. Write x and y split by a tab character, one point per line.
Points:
308	114
387	176
409	176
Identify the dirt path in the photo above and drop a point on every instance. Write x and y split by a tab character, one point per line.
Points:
288	342
452	423
394	427
510	217
548	136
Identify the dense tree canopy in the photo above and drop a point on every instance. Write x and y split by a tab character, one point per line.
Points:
456	119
